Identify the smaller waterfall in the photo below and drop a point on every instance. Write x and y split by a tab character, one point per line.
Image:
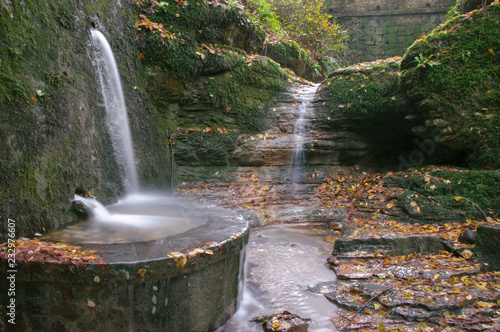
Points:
98	211
116	110
300	130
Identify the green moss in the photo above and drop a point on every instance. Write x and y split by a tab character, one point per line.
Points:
460	194
53	137
197	27
463	88
246	91
291	55
205	148
364	90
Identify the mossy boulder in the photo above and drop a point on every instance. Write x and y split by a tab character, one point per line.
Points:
447	195
452	76
292	56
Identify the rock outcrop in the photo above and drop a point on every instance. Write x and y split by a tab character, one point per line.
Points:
452	77
365	118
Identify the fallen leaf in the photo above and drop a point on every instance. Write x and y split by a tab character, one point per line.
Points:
467	254
142	272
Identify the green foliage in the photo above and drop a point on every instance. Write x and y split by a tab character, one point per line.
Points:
307	22
423	62
463	90
262	13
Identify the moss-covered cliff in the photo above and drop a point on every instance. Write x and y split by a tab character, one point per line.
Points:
204	76
52	128
453	77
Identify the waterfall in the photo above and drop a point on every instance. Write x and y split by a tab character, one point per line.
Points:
304	113
116	110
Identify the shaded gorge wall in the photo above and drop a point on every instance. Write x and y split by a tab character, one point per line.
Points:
52	122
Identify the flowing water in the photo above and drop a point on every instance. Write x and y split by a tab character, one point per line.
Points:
116	110
281	264
303	114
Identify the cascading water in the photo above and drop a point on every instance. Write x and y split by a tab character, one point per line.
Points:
116	110
305	113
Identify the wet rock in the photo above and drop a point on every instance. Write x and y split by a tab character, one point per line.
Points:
410	313
394	245
467	237
350	296
285	321
79	209
488	245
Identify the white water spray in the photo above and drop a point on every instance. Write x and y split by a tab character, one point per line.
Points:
305	112
116	110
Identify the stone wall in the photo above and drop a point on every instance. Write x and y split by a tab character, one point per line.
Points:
385	28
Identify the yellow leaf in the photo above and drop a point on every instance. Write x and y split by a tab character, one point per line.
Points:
482	304
377	306
142	272
457	198
467	254
196	252
180	258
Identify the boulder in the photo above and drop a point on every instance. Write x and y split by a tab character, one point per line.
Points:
488	245
452	77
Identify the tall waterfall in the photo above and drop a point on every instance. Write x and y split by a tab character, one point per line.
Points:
116	110
303	115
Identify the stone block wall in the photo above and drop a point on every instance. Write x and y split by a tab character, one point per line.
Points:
385	28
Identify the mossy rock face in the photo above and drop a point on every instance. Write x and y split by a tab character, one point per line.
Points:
205	148
196	32
447	195
370	119
53	136
452	75
206	82
290	55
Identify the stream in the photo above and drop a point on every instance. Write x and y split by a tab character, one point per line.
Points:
282	263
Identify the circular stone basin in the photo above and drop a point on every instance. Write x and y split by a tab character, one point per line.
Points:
140	286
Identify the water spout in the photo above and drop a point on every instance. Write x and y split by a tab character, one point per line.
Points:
116	110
